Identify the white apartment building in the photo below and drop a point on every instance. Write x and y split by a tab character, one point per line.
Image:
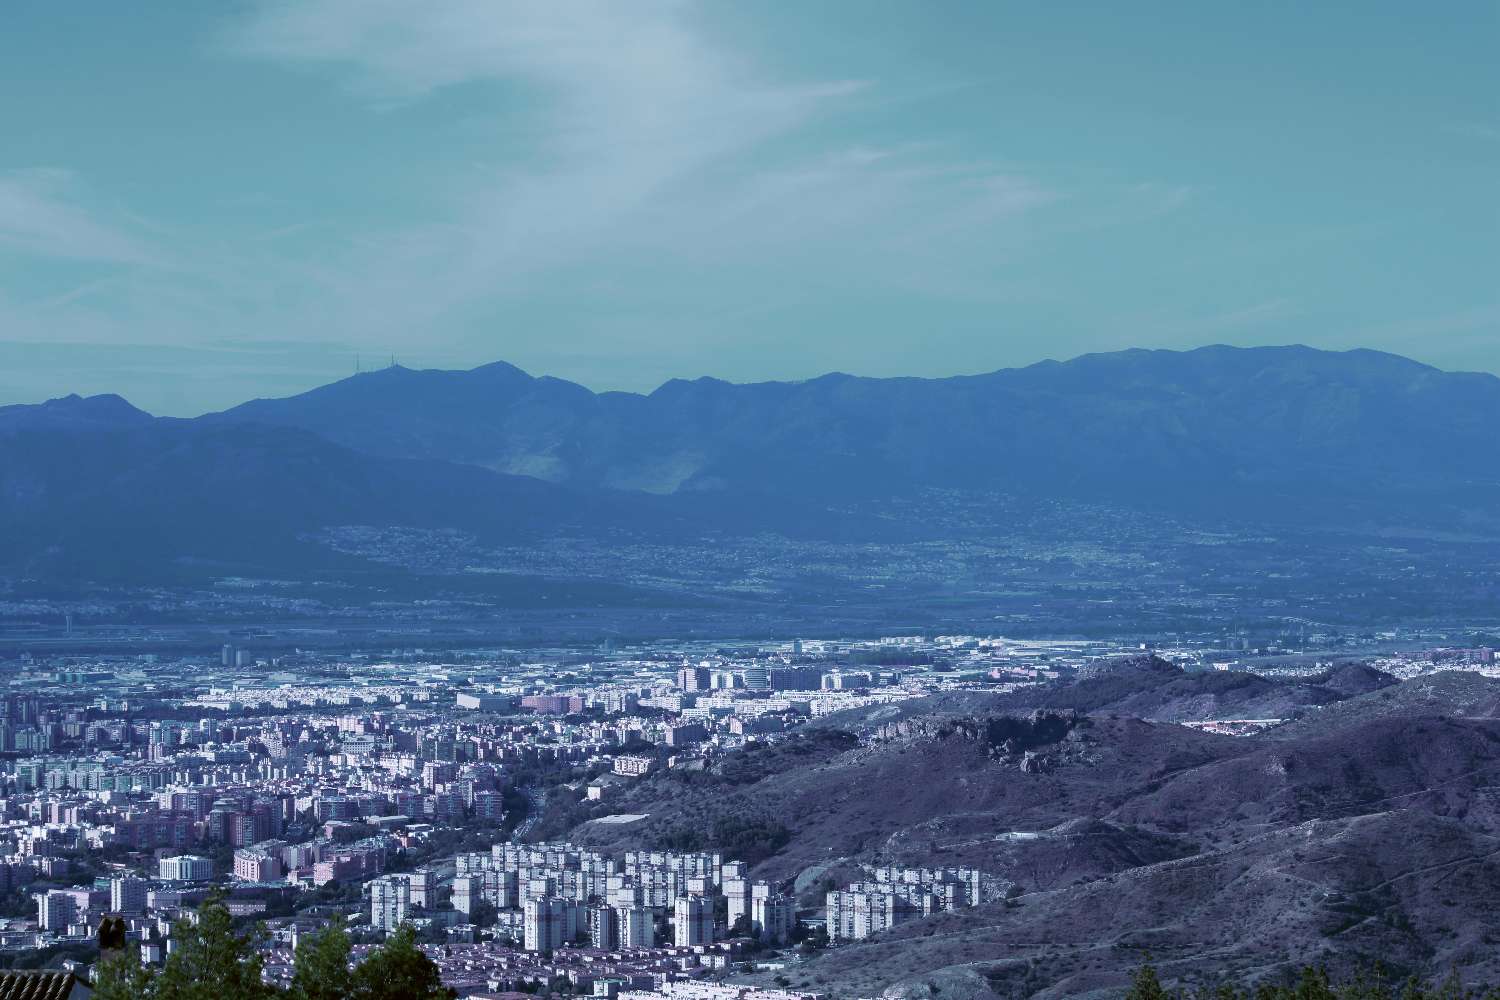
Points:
185	868
127	895
693	921
637	927
548	924
390	902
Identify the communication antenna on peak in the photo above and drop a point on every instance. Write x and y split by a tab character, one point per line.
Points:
393	361
357	366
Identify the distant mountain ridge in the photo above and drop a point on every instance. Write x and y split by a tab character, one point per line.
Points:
1258	427
1308	439
99	412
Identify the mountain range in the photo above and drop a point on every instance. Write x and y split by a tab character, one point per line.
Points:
1217	425
1291	438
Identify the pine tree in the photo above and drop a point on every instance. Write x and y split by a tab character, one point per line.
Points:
209	961
399	970
320	968
121	977
1313	984
1144	985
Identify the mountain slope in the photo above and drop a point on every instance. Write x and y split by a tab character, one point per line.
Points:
81	500
1405	892
1375	837
1290	432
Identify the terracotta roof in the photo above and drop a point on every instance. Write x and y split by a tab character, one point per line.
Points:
36	984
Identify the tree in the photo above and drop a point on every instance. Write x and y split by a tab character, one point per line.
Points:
1144	985
814	940
398	970
483	914
320	968
121	977
209	961
1312	984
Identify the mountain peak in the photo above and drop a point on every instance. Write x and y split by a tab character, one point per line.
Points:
501	369
73	410
678	386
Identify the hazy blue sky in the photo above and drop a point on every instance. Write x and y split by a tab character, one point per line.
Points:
202	202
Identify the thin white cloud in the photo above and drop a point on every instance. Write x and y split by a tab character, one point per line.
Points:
638	178
1487	131
1254	315
632	99
41	213
645	134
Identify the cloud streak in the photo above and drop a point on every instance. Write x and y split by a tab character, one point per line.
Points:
41	214
647	136
643	199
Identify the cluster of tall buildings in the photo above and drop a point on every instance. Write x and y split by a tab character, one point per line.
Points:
566	894
352	761
890	896
751	676
692	989
22	726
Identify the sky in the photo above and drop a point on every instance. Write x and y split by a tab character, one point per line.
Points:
202	203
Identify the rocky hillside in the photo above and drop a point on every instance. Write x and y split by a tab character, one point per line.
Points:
1367	830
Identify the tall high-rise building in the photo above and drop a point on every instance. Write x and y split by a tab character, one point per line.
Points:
468	892
737	891
57	909
694	678
637	927
604	927
774	917
423	888
693	921
127	895
507	890
549	923
22	709
390	902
